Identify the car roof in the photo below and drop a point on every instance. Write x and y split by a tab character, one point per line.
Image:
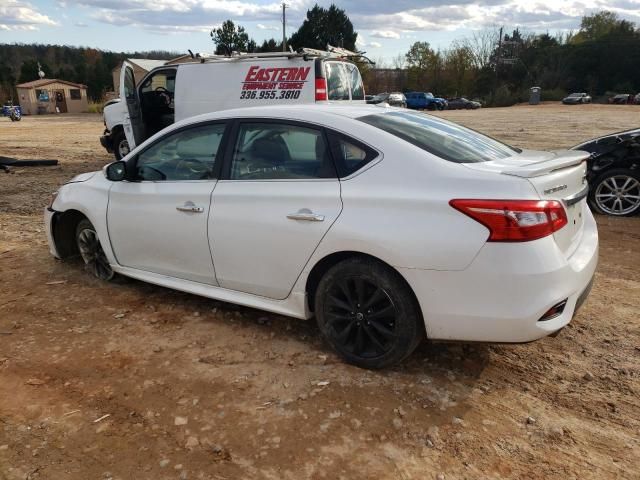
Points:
302	112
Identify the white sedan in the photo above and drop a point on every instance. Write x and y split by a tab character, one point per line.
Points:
386	225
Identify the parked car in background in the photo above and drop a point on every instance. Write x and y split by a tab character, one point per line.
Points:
613	172
636	99
425	101
458	103
576	98
622	99
387	225
394	99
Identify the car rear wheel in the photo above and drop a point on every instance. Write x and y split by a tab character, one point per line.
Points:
368	314
616	192
91	251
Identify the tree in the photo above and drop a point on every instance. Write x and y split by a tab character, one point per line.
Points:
228	39
29	71
601	24
324	27
481	45
420	55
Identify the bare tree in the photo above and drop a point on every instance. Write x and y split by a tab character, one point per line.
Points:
481	44
399	62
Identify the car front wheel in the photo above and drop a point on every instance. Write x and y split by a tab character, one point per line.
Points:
368	314
616	192
91	251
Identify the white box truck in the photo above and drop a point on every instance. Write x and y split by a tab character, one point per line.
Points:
171	93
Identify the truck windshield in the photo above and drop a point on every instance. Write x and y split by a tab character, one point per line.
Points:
441	138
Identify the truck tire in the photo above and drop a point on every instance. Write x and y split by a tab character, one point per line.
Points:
120	145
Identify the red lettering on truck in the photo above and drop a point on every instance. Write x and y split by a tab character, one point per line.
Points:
280	74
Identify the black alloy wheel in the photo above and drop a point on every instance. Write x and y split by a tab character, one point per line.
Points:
367	313
91	251
361	316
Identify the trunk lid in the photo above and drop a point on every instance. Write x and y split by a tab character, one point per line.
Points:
558	175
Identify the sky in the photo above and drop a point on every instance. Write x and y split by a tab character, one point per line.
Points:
385	27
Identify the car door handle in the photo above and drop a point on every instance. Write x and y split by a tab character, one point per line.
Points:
307	216
189	207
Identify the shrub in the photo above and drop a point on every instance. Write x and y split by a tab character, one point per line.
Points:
95	107
554	94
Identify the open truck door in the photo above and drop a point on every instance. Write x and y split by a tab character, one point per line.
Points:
132	124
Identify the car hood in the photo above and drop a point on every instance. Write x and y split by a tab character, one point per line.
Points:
570	99
83	177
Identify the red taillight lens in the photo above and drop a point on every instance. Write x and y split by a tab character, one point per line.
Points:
321	89
515	220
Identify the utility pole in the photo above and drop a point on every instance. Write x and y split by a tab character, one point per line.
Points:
284	27
498	60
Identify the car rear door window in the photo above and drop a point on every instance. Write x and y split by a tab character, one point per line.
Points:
350	155
280	151
184	155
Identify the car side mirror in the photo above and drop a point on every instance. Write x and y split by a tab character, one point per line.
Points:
116	171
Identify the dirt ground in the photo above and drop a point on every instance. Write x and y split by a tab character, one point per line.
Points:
132	381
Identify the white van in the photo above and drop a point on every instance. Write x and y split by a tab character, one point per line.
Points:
171	93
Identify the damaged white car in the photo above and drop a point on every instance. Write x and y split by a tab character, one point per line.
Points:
388	226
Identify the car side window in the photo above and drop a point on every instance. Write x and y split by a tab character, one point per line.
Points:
337	81
274	151
349	154
184	155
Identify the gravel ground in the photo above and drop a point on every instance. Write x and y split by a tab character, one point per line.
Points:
129	380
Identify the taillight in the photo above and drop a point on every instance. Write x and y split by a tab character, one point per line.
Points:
321	89
515	220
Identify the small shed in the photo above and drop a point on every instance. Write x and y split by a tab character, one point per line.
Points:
51	95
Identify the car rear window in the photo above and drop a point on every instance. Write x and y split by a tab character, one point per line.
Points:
343	78
337	81
357	89
444	139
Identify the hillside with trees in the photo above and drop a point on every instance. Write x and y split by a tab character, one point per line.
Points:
602	57
89	66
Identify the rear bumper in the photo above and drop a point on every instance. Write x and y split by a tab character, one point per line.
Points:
505	291
106	141
48	228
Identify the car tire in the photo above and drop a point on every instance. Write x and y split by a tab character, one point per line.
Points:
368	314
610	192
120	145
91	251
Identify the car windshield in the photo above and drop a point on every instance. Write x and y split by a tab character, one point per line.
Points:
575	95
444	139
